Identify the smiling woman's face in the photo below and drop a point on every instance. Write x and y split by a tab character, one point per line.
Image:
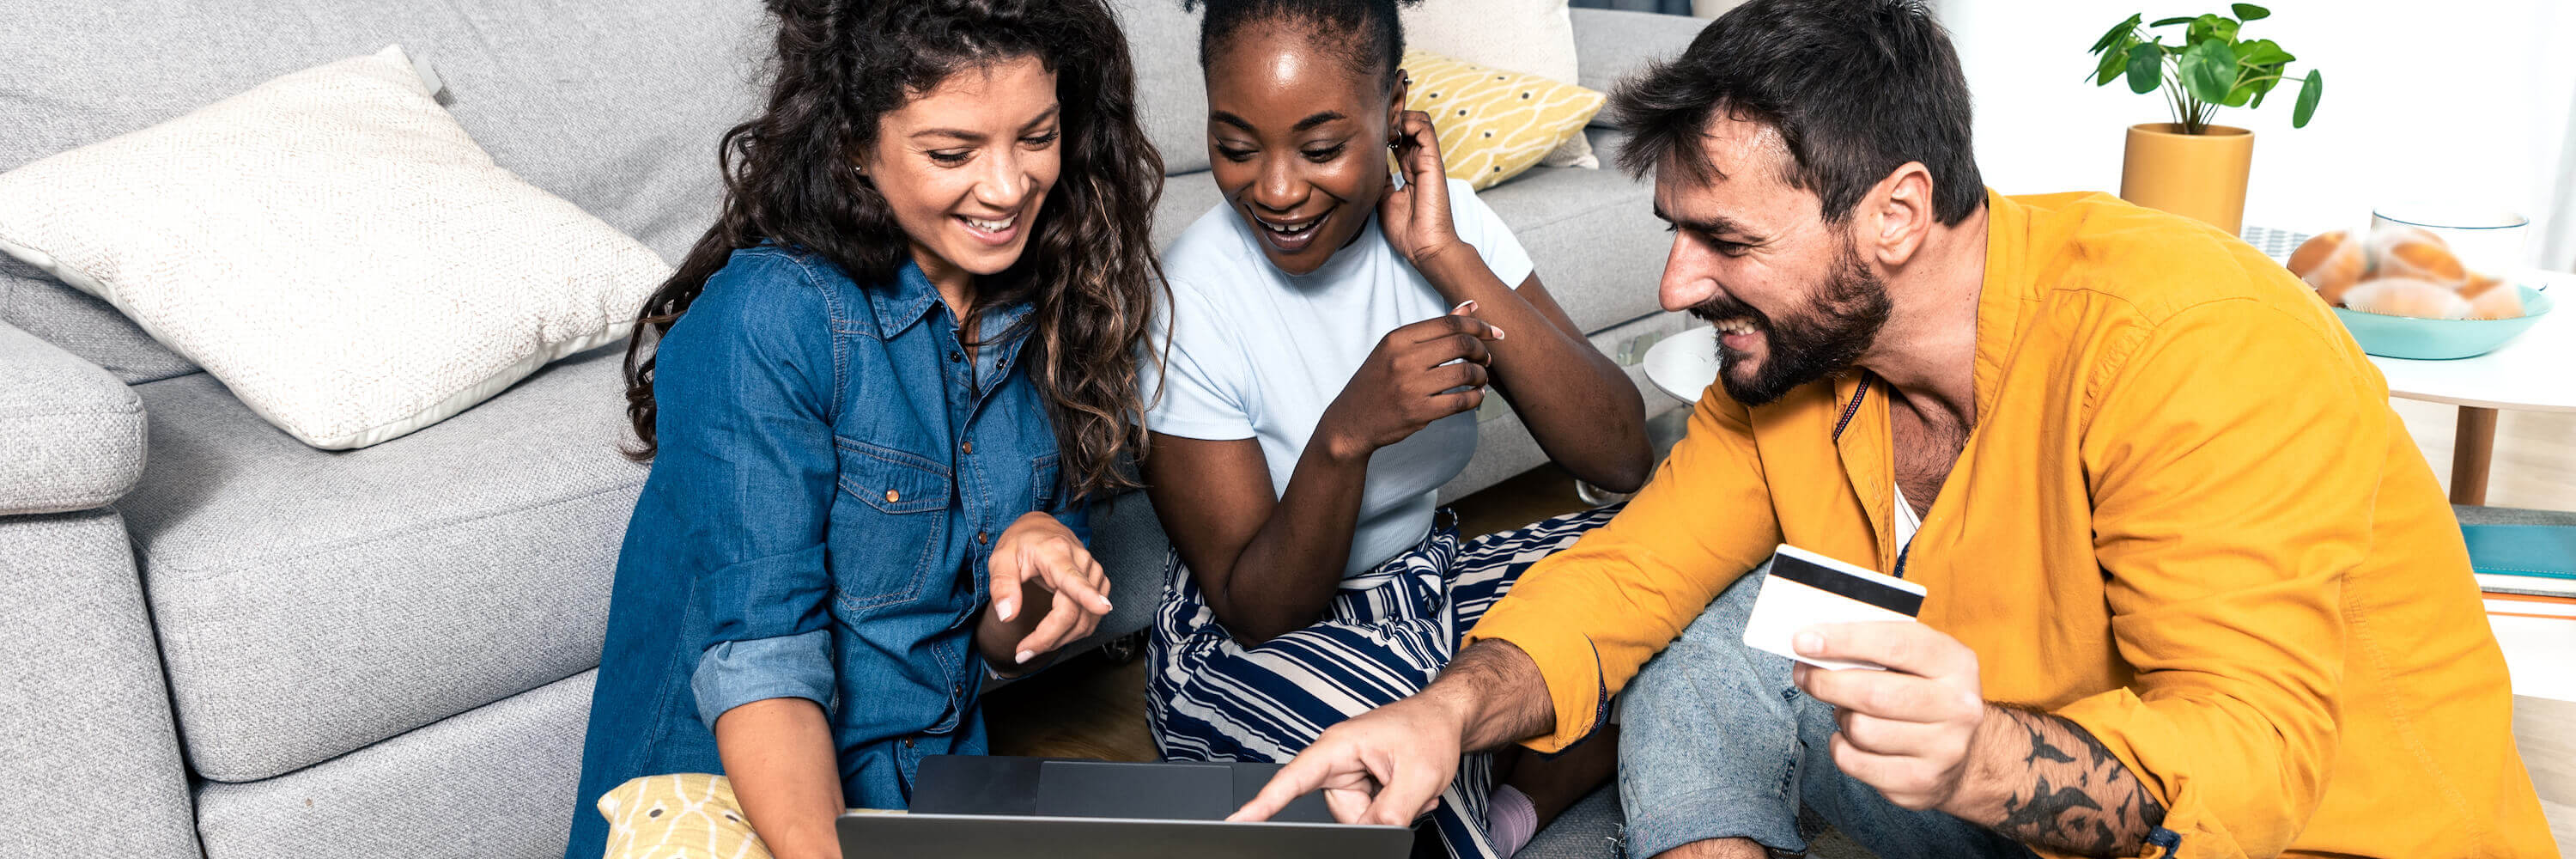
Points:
1298	142
966	166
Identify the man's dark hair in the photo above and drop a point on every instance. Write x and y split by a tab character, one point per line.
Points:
1368	30
1856	88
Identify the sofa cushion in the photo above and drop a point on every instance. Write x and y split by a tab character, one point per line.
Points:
496	782
1593	235
74	434
311	602
1171	94
1610	45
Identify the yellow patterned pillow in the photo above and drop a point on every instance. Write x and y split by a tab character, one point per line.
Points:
1493	124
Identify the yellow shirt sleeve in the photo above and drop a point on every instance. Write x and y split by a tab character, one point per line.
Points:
1592	615
2228	508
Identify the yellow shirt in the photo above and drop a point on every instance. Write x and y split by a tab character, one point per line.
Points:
2186	520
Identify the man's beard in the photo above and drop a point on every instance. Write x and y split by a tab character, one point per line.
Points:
1841	320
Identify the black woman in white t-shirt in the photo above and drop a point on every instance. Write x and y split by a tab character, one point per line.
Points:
1333	328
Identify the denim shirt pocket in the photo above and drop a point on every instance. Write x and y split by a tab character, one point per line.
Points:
900	516
1043	476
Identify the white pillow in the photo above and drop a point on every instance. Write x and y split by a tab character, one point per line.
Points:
1533	37
333	247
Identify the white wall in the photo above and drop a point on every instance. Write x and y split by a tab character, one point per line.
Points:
2465	100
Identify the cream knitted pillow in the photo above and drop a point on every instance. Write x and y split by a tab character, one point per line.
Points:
333	247
1527	36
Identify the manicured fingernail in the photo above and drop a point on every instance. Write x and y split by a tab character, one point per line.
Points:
1809	643
1498	333
1002	609
1024	656
1467	306
1104	604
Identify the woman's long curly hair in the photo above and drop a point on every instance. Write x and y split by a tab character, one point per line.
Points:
1088	269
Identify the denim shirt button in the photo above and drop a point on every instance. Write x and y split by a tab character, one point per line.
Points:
893	496
970	448
983	536
907	742
956	356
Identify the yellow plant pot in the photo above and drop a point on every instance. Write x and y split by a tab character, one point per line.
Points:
2194	175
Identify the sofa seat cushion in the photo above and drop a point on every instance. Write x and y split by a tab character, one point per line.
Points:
312	602
495	782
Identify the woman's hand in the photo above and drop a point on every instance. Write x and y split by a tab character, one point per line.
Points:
1047	592
1416	216
1408	382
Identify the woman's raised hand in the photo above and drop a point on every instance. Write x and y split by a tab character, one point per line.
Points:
1416	216
1418	374
1040	566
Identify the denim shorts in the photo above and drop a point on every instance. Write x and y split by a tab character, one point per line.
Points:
1716	742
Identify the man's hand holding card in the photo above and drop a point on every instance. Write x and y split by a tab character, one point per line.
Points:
1906	696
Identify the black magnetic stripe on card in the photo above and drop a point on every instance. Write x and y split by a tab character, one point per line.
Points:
1840	583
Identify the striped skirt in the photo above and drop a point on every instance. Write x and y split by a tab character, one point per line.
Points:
1389	631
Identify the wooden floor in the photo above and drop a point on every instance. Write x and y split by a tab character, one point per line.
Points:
1093	708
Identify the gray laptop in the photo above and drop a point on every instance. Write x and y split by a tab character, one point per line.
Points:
978	807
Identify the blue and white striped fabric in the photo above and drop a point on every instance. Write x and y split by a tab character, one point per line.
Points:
1390	630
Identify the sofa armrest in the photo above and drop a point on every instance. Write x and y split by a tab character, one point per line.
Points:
74	434
1610	45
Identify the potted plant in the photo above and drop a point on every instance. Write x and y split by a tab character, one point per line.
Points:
2190	166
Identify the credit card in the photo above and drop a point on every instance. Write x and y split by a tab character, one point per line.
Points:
1806	589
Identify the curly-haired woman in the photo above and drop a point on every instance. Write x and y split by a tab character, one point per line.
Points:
884	385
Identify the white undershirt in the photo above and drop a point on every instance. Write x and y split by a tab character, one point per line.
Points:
1906	522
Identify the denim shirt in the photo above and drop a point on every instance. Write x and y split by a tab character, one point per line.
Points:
832	476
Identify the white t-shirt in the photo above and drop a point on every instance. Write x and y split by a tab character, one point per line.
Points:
1259	353
1906	522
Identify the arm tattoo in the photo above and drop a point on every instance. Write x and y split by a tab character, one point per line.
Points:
2072	795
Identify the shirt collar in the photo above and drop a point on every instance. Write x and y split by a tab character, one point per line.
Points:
911	298
2006	295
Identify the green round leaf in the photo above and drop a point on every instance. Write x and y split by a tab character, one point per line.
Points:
2250	12
2146	67
2263	52
2309	91
2208	71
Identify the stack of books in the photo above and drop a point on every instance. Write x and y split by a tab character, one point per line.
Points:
2529	575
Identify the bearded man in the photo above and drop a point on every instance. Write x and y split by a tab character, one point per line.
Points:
2192	589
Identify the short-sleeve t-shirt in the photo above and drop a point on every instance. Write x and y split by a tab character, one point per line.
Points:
1259	353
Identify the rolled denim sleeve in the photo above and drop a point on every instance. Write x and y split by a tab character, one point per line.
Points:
745	385
733	673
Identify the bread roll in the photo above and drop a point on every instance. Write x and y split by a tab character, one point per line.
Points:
2413	252
2407	297
2496	304
2331	263
2314	251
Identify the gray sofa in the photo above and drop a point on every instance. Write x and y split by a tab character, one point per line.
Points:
219	641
